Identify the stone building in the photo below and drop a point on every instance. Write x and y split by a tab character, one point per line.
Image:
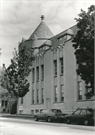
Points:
54	82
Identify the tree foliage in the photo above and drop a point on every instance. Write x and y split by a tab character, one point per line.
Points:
15	77
83	43
3	92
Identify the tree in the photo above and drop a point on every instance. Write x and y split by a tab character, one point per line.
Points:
3	92
83	42
15	77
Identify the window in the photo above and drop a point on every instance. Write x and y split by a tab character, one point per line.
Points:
42	94
21	111
59	111
22	100
88	89
41	110
37	73
37	95
44	111
56	93
54	110
32	96
61	66
80	90
89	112
42	71
6	103
32	111
33	74
55	67
36	111
77	112
83	112
2	103
62	92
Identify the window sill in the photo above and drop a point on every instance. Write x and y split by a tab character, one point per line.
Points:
61	74
55	76
37	104
42	79
58	102
85	100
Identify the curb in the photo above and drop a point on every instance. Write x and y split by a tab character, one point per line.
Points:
17	116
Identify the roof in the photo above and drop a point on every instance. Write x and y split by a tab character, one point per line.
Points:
42	31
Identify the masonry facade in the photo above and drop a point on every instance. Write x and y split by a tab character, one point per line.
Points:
54	82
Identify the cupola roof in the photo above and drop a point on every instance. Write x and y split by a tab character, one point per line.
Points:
42	31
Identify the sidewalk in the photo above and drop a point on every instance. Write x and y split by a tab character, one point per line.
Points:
24	116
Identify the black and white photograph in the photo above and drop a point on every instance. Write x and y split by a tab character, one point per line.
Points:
47	67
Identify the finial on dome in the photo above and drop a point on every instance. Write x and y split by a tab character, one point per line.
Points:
42	17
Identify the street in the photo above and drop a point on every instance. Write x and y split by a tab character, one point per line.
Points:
11	126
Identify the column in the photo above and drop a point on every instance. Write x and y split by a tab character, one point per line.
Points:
58	74
44	91
35	83
52	68
40	77
31	88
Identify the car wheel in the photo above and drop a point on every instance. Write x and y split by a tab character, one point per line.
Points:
86	122
36	118
49	119
68	121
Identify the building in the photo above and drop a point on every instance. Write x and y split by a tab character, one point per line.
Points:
54	82
3	94
7	100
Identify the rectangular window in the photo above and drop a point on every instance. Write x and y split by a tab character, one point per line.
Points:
33	74
37	73
6	103
61	66
62	92
80	90
37	95
42	72
42	94
88	89
32	96
2	103
32	111
55	67
21	100
36	111
56	93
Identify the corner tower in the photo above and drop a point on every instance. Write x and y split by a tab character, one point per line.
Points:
41	34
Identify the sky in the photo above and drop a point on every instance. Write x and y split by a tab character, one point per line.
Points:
19	18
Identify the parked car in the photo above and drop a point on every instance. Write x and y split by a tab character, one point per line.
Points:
81	116
49	115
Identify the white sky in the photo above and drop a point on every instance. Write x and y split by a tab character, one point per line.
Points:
19	18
